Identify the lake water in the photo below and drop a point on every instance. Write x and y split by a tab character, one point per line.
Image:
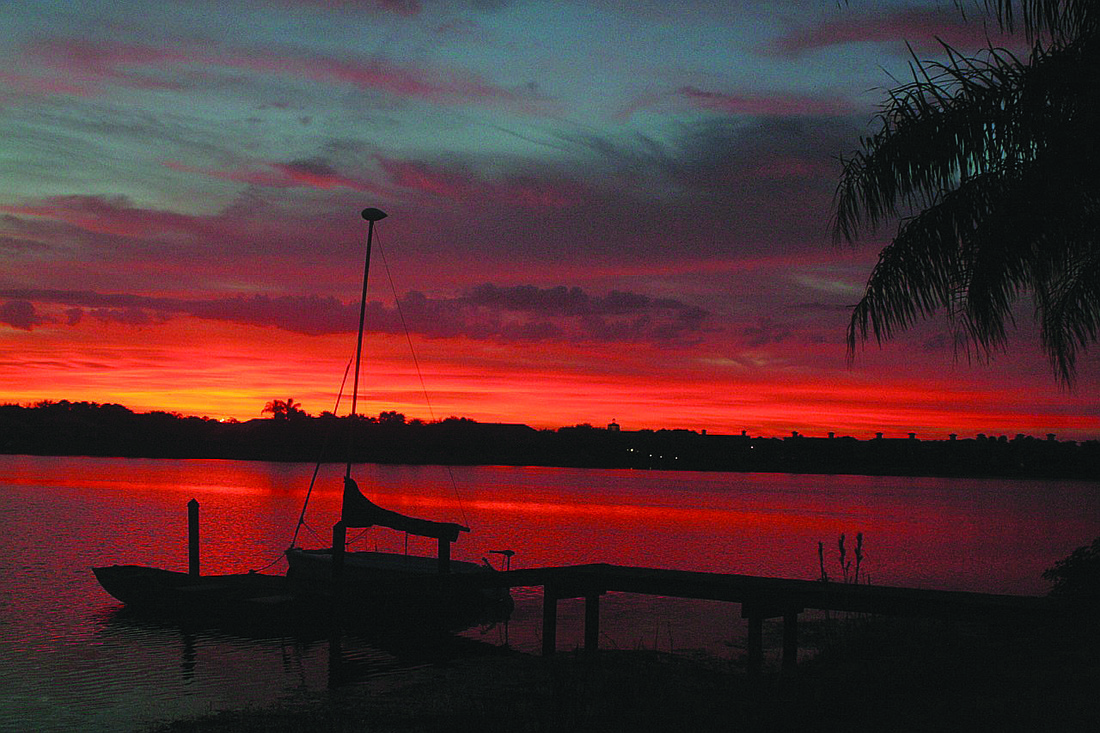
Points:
73	659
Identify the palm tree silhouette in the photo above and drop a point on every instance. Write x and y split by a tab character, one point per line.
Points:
281	410
999	158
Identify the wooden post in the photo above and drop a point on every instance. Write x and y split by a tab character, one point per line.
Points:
444	556
592	623
339	539
335	658
549	621
755	646
193	538
790	641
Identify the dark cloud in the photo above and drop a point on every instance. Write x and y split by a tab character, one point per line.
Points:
817	307
486	312
563	301
19	314
313	167
617	316
767	332
938	343
129	316
307	314
722	188
399	7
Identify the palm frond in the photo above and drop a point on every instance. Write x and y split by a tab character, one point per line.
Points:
952	122
1054	19
1069	308
1001	161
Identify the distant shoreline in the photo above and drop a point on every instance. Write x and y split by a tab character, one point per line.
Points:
90	429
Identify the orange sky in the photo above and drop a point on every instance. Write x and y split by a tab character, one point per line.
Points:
228	370
597	211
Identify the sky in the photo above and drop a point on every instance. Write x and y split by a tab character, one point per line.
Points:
597	211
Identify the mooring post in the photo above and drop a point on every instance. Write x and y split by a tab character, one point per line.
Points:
549	621
755	645
339	539
444	556
592	623
193	538
790	641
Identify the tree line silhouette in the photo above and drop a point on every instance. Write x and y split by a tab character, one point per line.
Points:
93	429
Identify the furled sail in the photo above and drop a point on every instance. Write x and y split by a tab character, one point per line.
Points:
359	511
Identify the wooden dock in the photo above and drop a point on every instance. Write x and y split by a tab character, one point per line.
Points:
760	598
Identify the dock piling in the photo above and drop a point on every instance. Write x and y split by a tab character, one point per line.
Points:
760	598
339	540
193	538
444	556
755	646
592	623
790	641
549	620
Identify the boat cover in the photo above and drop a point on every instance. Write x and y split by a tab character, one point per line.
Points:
359	511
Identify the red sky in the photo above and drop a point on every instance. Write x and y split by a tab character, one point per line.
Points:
597	211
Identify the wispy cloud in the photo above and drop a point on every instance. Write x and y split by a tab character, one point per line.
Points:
765	105
408	8
464	182
105	214
918	26
299	173
77	66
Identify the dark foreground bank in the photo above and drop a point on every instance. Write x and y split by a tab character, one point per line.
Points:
871	674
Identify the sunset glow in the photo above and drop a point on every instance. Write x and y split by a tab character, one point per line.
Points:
597	211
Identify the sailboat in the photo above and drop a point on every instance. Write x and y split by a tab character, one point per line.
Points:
393	584
398	587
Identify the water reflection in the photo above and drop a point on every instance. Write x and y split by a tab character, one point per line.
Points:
74	660
175	661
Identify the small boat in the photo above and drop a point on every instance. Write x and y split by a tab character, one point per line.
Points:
380	586
388	586
391	584
157	590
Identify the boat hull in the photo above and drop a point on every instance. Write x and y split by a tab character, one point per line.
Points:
385	587
167	591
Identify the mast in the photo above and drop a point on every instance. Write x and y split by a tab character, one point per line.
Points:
371	215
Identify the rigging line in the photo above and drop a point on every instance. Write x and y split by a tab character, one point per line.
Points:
357	537
313	532
419	375
265	567
317	467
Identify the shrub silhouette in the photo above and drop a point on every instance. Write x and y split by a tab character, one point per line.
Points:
1077	576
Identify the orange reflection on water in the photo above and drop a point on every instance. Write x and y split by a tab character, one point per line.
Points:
969	534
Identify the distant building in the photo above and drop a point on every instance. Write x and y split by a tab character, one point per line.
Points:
613	426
